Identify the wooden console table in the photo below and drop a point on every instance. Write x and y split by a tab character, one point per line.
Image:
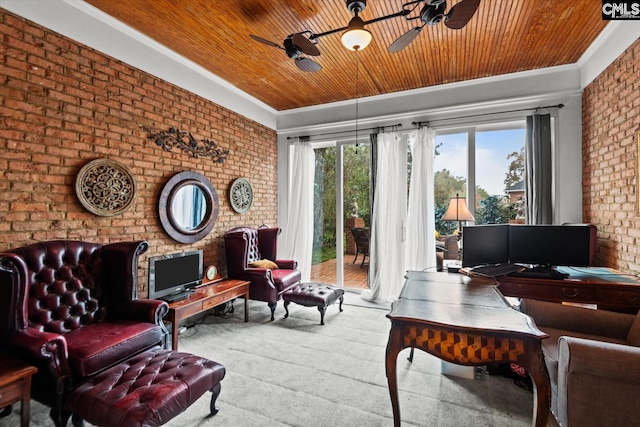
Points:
608	288
15	385
204	298
467	324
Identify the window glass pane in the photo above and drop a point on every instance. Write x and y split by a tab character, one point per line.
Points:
450	166
499	176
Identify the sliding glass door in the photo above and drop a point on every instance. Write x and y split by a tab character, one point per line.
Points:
341	214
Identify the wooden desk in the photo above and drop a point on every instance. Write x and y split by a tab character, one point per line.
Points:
608	288
204	298
468	324
15	385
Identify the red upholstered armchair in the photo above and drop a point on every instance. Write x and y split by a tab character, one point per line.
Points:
71	309
244	246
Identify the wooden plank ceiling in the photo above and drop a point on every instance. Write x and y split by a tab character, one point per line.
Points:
504	36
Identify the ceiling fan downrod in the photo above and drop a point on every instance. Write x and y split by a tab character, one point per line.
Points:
356	6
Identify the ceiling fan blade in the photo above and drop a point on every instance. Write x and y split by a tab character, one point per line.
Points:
265	41
306	64
305	45
461	13
402	41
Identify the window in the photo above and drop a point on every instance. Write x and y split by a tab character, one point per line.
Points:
489	158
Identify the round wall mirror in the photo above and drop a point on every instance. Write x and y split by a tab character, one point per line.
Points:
188	207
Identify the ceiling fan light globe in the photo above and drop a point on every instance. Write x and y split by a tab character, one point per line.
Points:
356	39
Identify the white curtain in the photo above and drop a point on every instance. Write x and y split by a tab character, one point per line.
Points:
297	234
388	220
420	250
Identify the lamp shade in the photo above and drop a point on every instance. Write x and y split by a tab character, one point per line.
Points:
458	210
356	37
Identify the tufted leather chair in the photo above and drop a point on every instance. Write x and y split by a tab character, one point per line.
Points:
70	308
244	245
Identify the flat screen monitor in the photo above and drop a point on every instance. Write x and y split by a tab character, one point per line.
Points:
485	244
174	274
551	245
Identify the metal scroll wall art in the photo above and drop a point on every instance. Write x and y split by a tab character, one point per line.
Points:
167	139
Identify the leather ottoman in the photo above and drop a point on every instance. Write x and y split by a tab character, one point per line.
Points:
313	294
147	390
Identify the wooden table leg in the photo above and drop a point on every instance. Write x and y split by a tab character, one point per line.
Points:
246	307
537	369
171	317
25	405
394	346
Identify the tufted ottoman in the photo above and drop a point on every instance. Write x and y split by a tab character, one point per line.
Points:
147	390
313	294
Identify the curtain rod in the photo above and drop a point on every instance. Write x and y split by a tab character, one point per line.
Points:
419	124
376	128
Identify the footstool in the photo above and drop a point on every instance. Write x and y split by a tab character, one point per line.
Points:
147	390
313	294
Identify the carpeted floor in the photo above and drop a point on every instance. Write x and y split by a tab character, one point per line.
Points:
295	372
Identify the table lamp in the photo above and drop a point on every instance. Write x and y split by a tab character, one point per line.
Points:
458	211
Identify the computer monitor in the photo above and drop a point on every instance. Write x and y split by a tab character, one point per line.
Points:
485	244
551	245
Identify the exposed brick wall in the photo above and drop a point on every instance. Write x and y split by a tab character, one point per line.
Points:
611	122
63	104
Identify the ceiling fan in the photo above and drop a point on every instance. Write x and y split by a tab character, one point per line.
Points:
295	45
304	43
432	13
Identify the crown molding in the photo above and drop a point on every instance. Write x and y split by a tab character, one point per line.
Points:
617	37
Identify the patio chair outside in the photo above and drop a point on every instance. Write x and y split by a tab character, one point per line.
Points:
361	236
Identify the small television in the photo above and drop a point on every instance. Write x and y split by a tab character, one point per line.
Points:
485	244
173	276
552	245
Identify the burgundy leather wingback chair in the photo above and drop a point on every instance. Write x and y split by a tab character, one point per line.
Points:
244	245
70	308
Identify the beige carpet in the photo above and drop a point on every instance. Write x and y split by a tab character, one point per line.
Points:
295	372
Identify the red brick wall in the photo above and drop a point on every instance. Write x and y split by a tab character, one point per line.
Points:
611	121
63	104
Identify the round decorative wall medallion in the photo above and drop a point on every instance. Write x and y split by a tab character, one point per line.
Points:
105	187
241	195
